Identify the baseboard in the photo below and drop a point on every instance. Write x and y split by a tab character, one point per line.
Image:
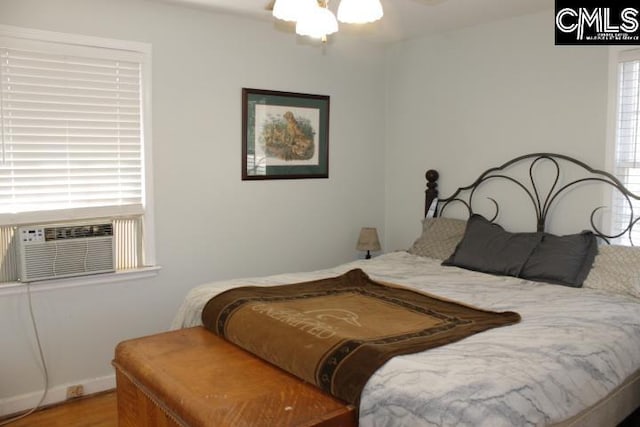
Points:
57	394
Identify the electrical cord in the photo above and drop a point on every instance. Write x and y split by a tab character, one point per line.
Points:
44	365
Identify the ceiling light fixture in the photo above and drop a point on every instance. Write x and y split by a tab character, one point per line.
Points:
314	19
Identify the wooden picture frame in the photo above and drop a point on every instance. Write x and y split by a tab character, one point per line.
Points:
285	135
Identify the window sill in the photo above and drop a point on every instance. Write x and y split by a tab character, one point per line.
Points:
13	288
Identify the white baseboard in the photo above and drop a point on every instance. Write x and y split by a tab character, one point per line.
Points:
57	394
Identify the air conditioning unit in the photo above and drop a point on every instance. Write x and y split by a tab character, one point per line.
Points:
64	250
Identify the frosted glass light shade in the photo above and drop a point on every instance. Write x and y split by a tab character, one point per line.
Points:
317	23
359	11
292	10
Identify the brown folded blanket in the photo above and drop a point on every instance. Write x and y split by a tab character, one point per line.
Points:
336	332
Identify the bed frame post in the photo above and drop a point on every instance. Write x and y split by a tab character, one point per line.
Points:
431	193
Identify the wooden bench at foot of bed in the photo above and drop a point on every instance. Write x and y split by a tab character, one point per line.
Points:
191	377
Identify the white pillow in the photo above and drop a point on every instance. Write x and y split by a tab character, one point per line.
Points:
439	238
616	269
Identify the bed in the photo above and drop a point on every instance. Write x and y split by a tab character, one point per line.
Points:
572	359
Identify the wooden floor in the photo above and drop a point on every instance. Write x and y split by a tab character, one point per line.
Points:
99	410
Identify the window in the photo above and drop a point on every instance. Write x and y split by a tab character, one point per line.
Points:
75	145
627	141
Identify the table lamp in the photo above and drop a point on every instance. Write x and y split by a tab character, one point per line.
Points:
368	241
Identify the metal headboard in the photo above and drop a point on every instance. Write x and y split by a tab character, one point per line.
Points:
542	203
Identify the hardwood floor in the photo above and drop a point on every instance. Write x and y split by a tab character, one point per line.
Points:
99	410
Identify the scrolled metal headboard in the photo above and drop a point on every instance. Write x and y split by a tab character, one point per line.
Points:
542	203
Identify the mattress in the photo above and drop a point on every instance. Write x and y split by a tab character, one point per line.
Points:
573	349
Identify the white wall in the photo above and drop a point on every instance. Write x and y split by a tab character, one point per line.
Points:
209	224
459	102
472	99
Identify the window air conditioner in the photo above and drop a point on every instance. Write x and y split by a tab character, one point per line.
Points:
64	250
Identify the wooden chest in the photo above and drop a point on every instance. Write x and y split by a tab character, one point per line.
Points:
192	377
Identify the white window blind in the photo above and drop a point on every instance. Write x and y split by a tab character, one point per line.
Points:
627	153
71	131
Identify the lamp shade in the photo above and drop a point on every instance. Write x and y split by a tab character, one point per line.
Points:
359	11
292	10
368	240
317	23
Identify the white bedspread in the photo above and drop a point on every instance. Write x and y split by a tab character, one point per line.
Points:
572	347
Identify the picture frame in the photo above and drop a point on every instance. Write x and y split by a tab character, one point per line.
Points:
285	135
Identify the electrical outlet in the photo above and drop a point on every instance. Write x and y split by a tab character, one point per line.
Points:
74	391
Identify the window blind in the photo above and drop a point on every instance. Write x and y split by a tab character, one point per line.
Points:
627	154
71	135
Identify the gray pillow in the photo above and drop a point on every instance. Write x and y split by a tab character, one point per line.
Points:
488	248
439	237
562	260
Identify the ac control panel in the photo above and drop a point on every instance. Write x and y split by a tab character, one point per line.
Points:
32	235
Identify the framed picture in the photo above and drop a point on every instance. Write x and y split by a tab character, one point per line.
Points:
285	135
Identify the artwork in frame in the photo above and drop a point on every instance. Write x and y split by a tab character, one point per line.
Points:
285	135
